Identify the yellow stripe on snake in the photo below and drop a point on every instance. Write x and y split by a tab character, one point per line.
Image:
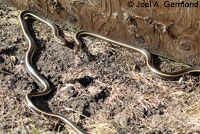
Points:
45	85
35	75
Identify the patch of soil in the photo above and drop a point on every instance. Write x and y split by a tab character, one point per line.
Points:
108	91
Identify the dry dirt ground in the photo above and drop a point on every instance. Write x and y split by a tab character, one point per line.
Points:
108	91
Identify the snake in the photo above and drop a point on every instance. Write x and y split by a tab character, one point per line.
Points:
147	54
77	39
36	75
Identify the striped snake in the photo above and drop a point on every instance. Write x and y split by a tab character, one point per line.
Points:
44	83
34	73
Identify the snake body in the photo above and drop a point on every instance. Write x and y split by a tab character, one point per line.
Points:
37	76
148	56
44	83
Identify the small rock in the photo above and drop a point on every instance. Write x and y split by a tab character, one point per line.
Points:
13	59
67	91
